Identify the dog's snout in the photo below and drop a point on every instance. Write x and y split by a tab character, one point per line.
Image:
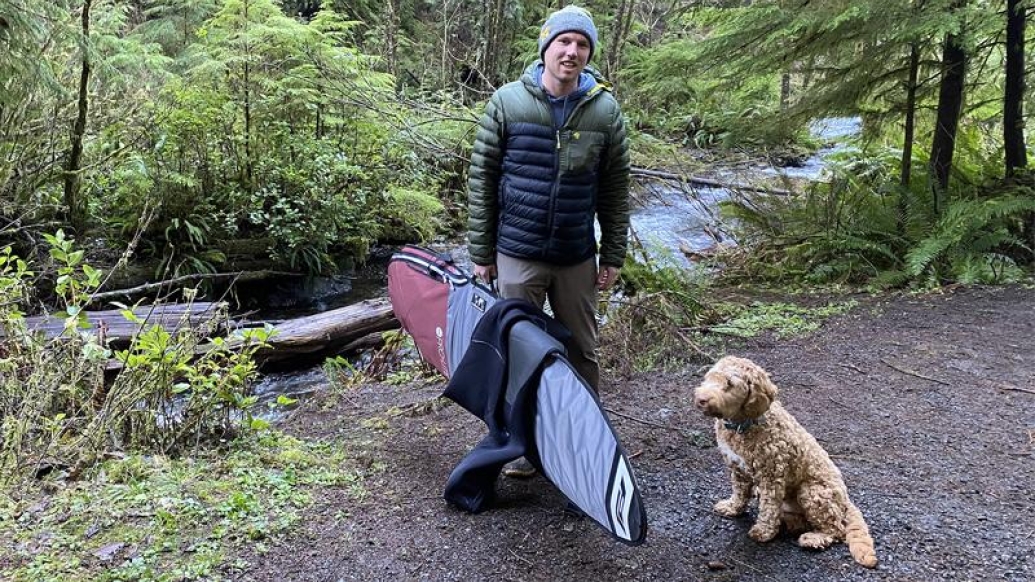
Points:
702	402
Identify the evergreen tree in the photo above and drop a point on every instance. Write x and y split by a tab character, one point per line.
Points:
52	108
76	211
29	86
1013	95
950	104
174	23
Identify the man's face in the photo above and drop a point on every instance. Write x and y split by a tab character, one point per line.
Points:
566	56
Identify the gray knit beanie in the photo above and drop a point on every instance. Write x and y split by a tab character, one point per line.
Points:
568	19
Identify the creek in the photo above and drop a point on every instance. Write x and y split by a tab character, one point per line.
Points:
672	221
669	222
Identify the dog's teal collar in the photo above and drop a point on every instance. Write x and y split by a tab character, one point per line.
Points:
743	426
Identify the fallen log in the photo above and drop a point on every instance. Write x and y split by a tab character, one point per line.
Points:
115	329
322	334
327	333
697	180
371	341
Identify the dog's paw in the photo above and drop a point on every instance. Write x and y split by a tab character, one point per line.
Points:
762	533
815	540
727	508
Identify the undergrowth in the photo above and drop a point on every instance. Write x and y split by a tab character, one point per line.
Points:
161	471
396	362
152	517
651	321
670	318
60	410
782	320
858	230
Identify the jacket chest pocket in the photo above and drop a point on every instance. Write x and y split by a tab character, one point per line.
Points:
583	151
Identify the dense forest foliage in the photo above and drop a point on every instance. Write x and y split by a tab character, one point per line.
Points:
166	140
211	135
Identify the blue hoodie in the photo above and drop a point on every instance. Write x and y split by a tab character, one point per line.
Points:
563	106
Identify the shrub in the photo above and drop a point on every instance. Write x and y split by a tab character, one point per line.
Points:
58	410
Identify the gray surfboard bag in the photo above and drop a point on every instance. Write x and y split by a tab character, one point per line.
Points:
507	365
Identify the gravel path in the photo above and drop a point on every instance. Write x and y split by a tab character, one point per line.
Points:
926	403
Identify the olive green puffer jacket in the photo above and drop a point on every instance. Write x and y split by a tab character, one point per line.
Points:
534	189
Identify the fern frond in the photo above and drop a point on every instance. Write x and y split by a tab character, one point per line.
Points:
968	226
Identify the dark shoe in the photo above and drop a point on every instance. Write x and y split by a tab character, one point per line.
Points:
519	469
573	510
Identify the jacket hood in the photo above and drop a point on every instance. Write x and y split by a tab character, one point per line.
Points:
590	81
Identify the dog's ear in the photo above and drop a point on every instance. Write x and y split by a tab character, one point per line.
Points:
756	404
735	378
761	392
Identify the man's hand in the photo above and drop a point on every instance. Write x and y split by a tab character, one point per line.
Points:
486	273
607	277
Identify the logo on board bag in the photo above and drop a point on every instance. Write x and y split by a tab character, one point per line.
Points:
478	302
620	498
440	345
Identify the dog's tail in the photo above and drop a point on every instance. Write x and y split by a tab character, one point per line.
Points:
857	535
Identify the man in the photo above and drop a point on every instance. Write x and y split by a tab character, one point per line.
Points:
550	157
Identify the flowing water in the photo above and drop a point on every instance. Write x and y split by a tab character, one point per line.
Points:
834	131
671	221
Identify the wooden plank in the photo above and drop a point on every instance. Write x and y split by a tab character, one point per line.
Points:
326	333
117	330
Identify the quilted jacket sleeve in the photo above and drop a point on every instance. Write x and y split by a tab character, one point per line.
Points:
483	185
613	196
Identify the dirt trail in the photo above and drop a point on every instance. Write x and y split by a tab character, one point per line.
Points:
926	403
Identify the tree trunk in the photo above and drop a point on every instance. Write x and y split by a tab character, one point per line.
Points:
443	68
391	41
909	132
185	15
247	109
706	182
620	27
328	332
322	334
1013	97
114	329
785	91
950	102
487	68
76	206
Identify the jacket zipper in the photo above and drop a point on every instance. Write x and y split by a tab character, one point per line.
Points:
557	162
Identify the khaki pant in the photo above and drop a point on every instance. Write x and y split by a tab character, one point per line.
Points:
572	291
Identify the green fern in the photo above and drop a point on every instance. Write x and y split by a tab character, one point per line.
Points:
845	231
889	279
969	227
989	268
851	256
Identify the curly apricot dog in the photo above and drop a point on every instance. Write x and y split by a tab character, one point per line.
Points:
769	452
